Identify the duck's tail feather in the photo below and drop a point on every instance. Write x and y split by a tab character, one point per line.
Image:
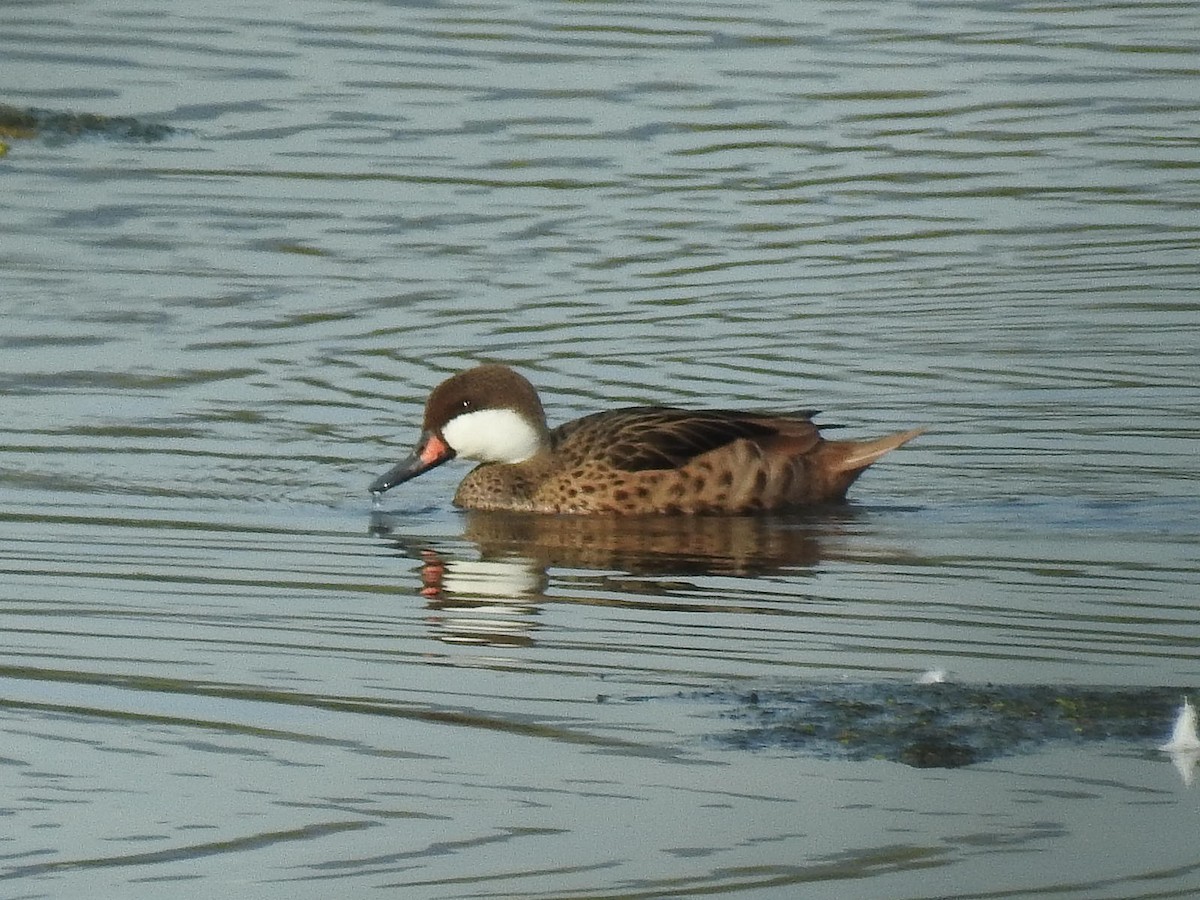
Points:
854	456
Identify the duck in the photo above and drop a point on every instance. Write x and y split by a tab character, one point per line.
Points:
630	461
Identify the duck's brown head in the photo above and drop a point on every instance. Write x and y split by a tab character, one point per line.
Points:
487	414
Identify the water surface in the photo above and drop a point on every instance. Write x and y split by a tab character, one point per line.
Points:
227	673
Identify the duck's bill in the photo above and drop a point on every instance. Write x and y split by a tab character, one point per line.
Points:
431	452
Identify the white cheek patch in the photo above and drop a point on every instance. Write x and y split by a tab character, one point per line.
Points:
492	435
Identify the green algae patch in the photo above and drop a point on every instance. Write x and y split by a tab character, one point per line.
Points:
56	126
938	725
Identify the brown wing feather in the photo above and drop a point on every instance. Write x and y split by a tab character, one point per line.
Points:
651	437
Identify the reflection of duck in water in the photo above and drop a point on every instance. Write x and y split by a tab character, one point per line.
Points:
490	586
645	459
492	603
596	549
657	545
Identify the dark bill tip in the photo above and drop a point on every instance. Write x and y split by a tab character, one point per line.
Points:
431	452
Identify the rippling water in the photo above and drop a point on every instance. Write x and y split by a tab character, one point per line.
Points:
226	673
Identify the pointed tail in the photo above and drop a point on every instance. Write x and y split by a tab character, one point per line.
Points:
854	456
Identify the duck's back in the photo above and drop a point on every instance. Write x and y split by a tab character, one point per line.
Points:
666	460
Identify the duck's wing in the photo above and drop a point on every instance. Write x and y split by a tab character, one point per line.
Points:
653	437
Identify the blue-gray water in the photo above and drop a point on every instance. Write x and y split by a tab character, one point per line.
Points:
225	674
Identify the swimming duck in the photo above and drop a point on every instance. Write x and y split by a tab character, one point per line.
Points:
642	459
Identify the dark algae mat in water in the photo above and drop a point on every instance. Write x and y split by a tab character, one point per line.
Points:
938	725
57	126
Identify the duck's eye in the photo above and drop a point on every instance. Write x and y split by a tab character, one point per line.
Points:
466	404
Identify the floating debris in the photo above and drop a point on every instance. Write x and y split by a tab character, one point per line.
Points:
1184	745
1184	738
